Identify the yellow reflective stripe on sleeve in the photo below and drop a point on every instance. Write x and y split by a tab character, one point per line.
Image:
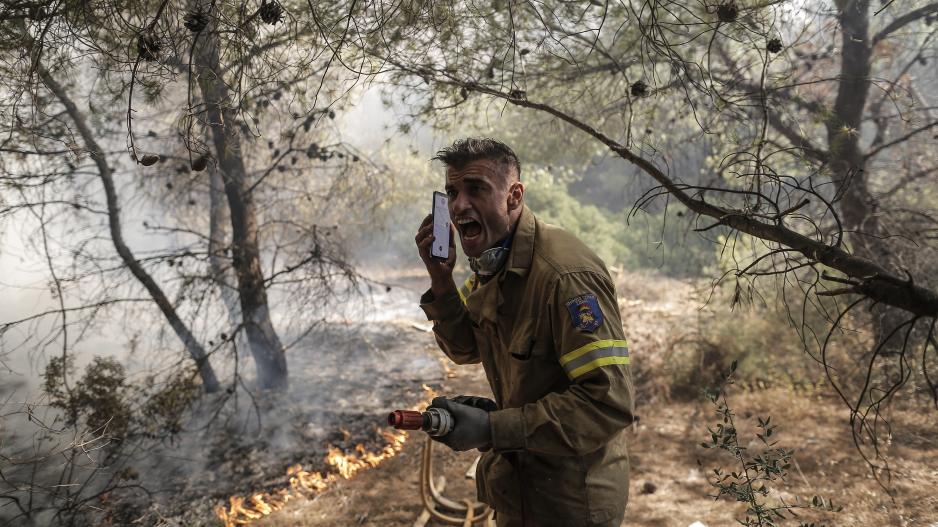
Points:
593	355
583	350
590	366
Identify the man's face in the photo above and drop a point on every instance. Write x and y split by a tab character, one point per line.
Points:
479	196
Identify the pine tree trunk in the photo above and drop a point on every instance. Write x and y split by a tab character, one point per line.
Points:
266	349
848	163
218	241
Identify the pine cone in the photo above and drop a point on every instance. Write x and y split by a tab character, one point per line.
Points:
148	47
199	163
639	89
196	21
727	12
774	46
271	12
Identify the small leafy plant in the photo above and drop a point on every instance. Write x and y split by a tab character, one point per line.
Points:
753	473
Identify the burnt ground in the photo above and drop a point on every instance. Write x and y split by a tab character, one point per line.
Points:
669	485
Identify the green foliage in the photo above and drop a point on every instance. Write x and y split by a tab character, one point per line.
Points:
771	323
389	227
652	240
103	400
665	241
599	230
164	410
767	339
98	398
761	339
645	240
753	474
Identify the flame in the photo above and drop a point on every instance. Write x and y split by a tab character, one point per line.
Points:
243	511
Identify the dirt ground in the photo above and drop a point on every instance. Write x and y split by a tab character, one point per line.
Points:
665	454
669	485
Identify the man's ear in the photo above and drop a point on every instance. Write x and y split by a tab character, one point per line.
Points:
515	195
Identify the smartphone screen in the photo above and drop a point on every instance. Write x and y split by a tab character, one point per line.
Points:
440	247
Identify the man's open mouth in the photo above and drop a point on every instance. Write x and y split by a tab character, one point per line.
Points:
469	228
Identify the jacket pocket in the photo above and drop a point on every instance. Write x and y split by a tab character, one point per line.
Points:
554	490
497	483
525	350
608	479
525	343
490	361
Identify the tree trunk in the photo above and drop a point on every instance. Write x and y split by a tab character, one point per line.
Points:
847	159
196	351
218	241
843	127
265	345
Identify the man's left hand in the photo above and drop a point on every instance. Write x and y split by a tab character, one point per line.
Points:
472	429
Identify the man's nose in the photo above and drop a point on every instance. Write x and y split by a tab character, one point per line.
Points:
457	206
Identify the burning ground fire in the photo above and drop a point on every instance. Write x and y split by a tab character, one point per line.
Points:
244	510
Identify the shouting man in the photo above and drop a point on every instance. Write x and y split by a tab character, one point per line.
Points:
540	313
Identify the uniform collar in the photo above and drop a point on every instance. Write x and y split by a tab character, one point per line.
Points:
486	302
522	245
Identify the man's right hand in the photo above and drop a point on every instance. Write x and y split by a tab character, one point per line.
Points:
440	271
472	429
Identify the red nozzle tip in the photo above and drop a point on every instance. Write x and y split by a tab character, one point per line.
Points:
406	420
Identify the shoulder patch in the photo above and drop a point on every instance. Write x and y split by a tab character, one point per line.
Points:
585	313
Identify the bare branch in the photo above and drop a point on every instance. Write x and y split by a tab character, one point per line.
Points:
872	153
905	20
210	382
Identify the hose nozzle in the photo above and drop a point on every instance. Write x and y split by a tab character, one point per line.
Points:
436	422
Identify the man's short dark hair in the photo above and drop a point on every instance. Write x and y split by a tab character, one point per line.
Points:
464	151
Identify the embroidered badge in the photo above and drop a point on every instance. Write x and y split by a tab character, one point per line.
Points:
585	312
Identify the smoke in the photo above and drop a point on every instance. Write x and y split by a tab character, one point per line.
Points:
344	380
352	356
362	361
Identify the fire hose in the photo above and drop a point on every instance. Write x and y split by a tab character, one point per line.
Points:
437	422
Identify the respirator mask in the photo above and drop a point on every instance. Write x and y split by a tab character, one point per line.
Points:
491	260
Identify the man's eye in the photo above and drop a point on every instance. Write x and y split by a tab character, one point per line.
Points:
451	194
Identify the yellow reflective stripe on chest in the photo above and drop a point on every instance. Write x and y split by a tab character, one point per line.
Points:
594	355
467	288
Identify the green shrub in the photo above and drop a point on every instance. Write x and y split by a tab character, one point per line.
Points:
103	400
666	243
765	467
551	202
98	398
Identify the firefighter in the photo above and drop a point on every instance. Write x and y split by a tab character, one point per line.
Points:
539	312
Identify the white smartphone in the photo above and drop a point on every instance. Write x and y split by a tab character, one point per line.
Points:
441	232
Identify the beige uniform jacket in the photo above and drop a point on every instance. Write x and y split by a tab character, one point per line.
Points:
548	332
